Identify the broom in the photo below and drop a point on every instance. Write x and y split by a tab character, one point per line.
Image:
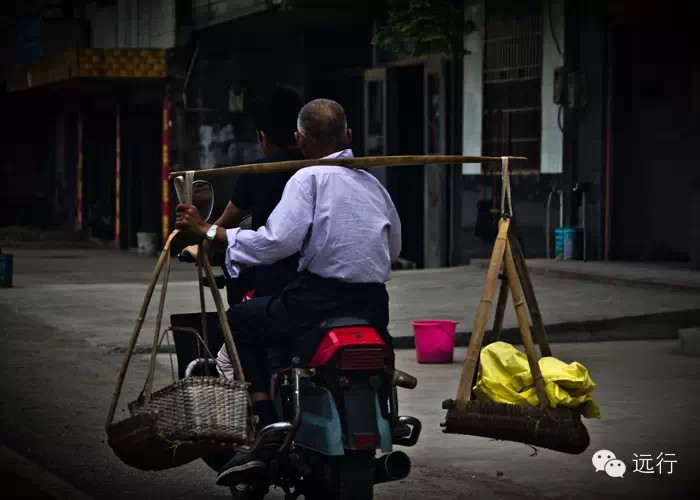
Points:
559	429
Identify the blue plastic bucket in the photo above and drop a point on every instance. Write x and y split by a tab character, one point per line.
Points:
5	271
566	243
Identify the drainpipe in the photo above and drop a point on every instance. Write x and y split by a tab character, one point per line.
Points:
571	65
79	185
454	172
607	224
118	180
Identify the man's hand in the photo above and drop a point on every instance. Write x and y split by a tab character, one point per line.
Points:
192	250
188	219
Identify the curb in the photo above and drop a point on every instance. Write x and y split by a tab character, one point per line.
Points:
597	278
52	245
657	326
689	340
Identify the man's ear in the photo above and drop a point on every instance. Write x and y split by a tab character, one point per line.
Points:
299	139
348	136
262	138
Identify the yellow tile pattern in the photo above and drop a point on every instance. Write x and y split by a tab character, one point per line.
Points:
91	63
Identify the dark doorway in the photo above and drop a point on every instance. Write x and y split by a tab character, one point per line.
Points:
141	163
405	137
653	139
99	163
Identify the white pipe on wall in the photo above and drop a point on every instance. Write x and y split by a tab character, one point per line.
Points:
473	87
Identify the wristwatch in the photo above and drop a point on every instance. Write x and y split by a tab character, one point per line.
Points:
211	232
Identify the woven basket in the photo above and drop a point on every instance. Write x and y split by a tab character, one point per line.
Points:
182	422
192	417
559	429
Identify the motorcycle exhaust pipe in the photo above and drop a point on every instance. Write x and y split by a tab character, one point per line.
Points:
403	379
391	467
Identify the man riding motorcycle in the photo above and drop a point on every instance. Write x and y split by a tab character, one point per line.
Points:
347	231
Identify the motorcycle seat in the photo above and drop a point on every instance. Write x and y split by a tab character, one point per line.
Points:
341	322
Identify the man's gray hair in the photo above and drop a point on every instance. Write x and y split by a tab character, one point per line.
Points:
323	121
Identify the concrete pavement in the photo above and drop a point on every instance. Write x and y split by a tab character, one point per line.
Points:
54	398
675	275
72	311
572	308
647	392
99	292
56	389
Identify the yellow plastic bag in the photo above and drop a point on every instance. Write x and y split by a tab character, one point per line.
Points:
504	376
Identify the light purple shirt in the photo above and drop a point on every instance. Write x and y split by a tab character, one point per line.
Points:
341	220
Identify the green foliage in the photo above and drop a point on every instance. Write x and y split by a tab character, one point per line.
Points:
420	27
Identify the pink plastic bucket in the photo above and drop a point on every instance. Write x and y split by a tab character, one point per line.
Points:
435	340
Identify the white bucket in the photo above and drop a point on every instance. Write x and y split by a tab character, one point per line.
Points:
146	243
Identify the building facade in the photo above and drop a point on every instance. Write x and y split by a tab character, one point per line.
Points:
84	90
601	97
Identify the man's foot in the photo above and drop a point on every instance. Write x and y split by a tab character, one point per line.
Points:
250	467
247	467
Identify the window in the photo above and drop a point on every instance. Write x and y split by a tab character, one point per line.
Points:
512	80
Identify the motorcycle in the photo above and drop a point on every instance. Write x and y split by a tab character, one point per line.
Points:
337	398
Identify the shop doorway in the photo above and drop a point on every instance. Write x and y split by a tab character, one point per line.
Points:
405	115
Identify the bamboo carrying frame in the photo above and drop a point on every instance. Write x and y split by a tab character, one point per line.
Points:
141	430
190	417
561	428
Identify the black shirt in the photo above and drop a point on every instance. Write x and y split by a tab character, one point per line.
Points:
260	193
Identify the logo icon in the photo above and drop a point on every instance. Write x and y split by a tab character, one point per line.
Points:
615	468
605	460
601	457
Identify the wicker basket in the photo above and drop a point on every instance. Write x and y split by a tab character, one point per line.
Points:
190	417
559	429
182	422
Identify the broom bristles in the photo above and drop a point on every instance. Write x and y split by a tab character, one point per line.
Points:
559	429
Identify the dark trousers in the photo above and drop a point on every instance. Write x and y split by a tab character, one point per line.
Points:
236	288
278	321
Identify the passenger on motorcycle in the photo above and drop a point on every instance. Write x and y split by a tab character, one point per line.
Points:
275	117
257	195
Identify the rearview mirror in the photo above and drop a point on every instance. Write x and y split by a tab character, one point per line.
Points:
203	198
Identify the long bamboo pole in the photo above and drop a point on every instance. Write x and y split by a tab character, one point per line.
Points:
137	329
148	388
500	310
365	162
523	324
482	318
225	327
202	305
529	293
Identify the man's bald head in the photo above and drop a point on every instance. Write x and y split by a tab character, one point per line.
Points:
323	122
